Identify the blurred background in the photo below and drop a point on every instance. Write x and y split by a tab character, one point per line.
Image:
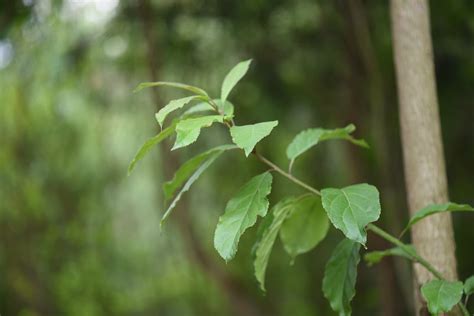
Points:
79	237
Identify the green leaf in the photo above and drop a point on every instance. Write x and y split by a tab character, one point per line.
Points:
441	295
241	213
226	108
173	105
247	136
265	245
437	208
234	76
190	172
178	85
374	257
311	137
148	145
188	168
340	276
305	227
188	130
351	208
469	286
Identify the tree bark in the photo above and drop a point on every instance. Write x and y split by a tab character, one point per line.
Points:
425	174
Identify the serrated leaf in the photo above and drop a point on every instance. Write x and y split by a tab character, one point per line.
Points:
233	77
351	208
469	285
247	136
374	257
188	130
173	105
311	137
190	173
178	85
188	168
241	213
435	209
265	245
340	276
148	145
441	295
305	227
225	108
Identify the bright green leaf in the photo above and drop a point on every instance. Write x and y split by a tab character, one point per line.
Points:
340	276
178	85
247	136
234	76
469	285
437	208
374	257
226	108
241	213
188	168
190	172
265	244
311	137
188	130
441	295
148	145
305	226
351	208
170	107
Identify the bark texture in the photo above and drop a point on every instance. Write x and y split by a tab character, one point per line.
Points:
424	165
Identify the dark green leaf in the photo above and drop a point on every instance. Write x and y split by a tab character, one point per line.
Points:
469	286
305	227
234	76
351	208
188	130
340	276
241	213
178	85
247	136
441	295
376	256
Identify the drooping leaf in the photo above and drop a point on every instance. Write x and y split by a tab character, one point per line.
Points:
311	137
178	85
233	77
265	245
148	145
247	136
441	295
305	226
374	257
188	130
190	173
437	208
225	108
351	208
188	168
340	276
469	285
241	213
170	107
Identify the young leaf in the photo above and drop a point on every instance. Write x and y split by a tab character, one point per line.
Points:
188	130
149	145
188	168
182	86
469	286
351	208
265	245
170	107
234	76
247	136
241	213
311	137
374	257
340	276
305	226
437	208
225	108
191	173
441	295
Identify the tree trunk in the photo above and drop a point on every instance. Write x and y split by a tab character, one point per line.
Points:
425	173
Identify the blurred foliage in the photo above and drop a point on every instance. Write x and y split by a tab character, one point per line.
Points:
78	237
